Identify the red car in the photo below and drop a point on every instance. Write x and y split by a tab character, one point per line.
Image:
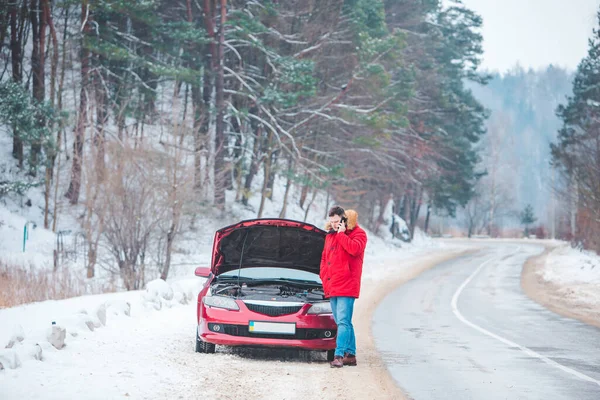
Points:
263	289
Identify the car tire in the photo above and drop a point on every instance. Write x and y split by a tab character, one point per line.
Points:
209	348
199	348
204	347
330	355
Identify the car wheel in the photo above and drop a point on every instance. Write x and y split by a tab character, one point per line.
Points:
209	347
199	348
204	347
330	355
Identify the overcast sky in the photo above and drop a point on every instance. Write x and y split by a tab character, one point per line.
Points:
535	33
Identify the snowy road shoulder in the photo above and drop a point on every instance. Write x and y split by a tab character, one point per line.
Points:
39	331
566	281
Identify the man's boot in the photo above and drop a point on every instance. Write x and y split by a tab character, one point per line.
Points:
349	359
338	362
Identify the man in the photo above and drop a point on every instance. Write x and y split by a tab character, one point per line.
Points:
341	270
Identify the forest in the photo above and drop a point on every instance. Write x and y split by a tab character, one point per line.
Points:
146	113
142	115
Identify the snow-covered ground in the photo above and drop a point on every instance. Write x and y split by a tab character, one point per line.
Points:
112	341
576	273
140	344
38	248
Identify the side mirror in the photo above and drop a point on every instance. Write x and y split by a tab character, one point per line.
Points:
203	272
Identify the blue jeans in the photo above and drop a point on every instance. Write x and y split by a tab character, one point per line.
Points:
342	308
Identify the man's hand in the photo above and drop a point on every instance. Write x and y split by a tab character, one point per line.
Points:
341	227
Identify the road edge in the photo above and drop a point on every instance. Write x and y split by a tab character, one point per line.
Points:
548	294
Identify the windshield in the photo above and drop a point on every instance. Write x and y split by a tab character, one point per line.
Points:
273	273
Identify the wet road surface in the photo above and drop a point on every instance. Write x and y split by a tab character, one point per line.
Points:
465	330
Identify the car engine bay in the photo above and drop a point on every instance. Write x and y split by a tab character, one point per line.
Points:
269	291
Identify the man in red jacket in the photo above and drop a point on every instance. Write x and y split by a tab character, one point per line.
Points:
341	270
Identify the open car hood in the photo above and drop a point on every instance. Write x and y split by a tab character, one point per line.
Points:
278	243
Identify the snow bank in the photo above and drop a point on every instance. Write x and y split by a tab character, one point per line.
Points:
32	331
575	272
161	294
569	265
420	239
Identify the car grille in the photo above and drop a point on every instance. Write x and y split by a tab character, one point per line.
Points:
301	333
273	311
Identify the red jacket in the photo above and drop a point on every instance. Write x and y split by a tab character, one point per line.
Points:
342	261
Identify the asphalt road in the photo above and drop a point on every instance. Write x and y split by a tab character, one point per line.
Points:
465	330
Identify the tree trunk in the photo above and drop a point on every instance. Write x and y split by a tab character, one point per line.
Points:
47	188
221	170
17	72
197	114
303	195
91	262
237	147
255	161
406	207
272	176
427	218
238	172
4	18
175	203
101	119
60	129
170	239
267	175
204	176
93	228
288	186
375	223
238	157
38	28
415	209
75	184
51	152
55	51
327	204
312	199
574	205
198	123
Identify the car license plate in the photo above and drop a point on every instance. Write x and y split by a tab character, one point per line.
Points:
281	328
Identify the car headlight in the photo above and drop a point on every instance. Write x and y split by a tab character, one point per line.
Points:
320	308
220	302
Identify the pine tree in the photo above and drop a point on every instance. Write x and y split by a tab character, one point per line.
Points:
527	218
21	113
577	151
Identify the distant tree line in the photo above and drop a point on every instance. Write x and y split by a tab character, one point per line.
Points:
515	155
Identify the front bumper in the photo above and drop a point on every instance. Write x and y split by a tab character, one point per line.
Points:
311	330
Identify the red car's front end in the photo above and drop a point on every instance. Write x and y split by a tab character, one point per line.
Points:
263	289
